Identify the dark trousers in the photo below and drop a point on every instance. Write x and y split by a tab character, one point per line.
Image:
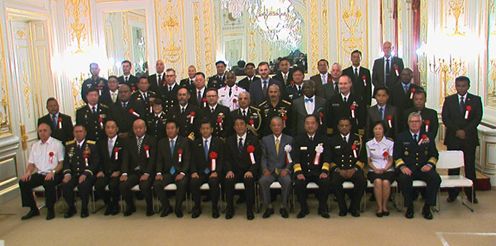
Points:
323	193
213	186
84	189
359	183
432	179
144	186
469	159
182	186
249	191
111	199
35	181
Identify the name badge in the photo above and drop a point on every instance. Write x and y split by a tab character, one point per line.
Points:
335	104
337	147
303	148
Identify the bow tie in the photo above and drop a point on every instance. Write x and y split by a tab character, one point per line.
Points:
308	100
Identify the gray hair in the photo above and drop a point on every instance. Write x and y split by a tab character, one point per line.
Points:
414	114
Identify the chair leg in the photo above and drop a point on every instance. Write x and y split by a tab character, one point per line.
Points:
466	204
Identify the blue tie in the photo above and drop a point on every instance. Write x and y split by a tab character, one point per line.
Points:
205	149
405	88
54	121
308	100
381	111
172	145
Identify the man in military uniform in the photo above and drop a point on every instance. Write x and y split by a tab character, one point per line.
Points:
207	165
112	151
143	95
218	115
80	165
348	158
415	155
249	113
295	89
156	122
430	121
229	94
173	163
60	124
186	115
311	164
93	116
93	81
274	106
125	111
138	168
168	91
217	80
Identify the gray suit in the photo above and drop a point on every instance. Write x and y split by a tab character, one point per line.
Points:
328	91
275	163
299	112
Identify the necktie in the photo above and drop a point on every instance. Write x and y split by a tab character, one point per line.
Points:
244	112
285	77
405	88
205	149
381	111
264	88
159	79
308	100
462	104
345	99
54	121
323	79
127	79
356	72
311	139
387	66
199	97
114	97
230	91
172	144
277	146
336	89
240	144
212	110
344	140
110	146
170	88
298	88
140	141
182	110
190	82
93	109
415	137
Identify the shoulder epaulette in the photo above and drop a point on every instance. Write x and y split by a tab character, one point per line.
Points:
254	108
70	142
90	142
286	102
103	105
262	103
81	107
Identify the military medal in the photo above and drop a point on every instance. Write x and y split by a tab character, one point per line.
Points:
251	150
131	111
180	154
318	150
468	108
100	120
252	123
220	120
213	158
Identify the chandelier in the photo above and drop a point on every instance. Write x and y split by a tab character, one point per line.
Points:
276	20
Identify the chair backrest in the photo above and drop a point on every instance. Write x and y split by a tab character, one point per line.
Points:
450	159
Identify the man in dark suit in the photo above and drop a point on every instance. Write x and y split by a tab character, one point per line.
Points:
415	156
249	113
309	103
168	90
218	115
173	164
157	79
80	166
311	164
217	80
360	78
346	105
93	116
127	77
258	88
139	168
250	77
462	113
384	112
347	162
284	75
93	81
295	89
430	121
111	94
186	115
402	93
242	166
125	111
60	124
198	96
322	78
208	154
386	70
276	165
189	82
112	151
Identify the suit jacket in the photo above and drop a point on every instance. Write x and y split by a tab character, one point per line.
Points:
328	91
188	122
362	85
167	162
303	155
94	123
317	78
74	161
401	100
408	152
245	83
339	109
299	112
391	120
342	154
429	117
194	98
240	162
455	120
220	120
271	159
63	130
203	164
139	162
256	92
280	78
132	81
113	162
378	72
105	97
126	116
154	83
144	100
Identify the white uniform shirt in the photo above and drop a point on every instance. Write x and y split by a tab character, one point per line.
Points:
232	102
376	150
46	156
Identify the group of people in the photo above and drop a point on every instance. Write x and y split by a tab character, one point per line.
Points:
155	131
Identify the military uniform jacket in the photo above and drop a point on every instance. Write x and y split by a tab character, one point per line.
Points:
220	120
90	83
79	161
189	84
169	98
340	109
293	92
282	109
94	122
216	81
347	155
144	99
202	163
169	163
304	153
156	125
125	116
62	130
429	117
240	162
409	152
112	162
454	119
139	162
188	121
253	118
230	101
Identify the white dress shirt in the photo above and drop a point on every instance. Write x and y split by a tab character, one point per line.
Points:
309	106
375	151
40	155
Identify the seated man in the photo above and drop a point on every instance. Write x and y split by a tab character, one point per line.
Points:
416	156
173	160
311	158
275	166
80	164
208	160
44	164
348	158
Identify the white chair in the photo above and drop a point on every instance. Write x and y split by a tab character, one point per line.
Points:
452	159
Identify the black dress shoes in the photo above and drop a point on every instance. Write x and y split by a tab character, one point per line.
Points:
51	214
84	213
355	213
284	213
250	215
426	212
178	212
166	211
70	212
268	212
195	213
302	213
215	213
129	211
229	213
108	210
32	213
149	212
342	213
409	213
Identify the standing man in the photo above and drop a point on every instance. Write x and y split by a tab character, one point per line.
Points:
284	74
258	88
430	121
229	94
387	69
44	165
250	76
276	165
198	97
275	106
126	111
382	111
189	82
60	124
168	90
111	96
360	78
186	115
80	165
156	80
93	115
415	156
127	77
295	89
332	88
217	80
173	163
323	77
462	113
93	81
249	113
308	104
402	94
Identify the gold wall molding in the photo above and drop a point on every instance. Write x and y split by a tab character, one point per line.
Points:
352	29
198	48
325	28
314	36
208	38
5	113
79	22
